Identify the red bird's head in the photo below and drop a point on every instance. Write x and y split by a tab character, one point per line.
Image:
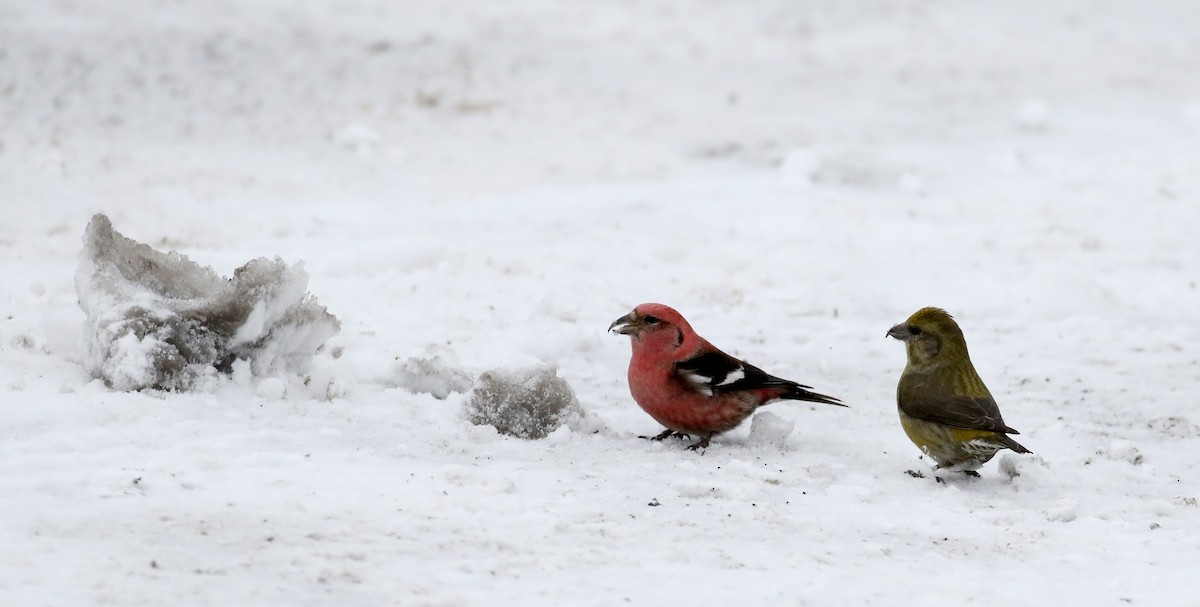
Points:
655	325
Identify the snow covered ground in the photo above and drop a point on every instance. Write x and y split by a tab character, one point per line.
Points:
491	184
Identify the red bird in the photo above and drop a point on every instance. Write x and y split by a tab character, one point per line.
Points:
688	385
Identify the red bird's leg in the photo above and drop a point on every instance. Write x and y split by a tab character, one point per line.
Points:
702	443
971	473
665	434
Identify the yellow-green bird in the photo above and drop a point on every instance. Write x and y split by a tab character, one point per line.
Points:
945	409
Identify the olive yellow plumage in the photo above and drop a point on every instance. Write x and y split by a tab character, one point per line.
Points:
945	409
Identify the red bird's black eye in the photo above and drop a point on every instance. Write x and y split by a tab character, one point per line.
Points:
650	320
914	330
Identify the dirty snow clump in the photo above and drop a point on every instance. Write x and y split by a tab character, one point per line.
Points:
430	376
526	403
159	320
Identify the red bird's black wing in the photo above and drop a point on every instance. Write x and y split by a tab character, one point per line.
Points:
716	372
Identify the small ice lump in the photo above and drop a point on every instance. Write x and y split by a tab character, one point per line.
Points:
159	320
767	427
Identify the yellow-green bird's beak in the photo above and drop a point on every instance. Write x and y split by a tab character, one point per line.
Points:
899	332
626	325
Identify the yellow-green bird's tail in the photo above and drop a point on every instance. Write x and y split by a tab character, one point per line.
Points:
1007	441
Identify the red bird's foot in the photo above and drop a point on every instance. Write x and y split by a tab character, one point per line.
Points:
971	473
665	434
915	473
700	444
940	479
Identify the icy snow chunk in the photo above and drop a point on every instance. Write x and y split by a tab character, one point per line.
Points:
1176	427
1033	116
801	165
1122	451
160	320
431	376
526	403
271	388
911	183
1025	471
1063	511
767	427
1191	116
701	490
359	138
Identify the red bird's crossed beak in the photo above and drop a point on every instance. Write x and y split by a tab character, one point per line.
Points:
626	325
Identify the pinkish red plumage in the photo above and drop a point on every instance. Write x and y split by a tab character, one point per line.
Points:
687	384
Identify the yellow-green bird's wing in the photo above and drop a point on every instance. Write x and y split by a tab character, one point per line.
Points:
971	413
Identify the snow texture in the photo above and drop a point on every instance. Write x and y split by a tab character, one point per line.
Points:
527	403
159	320
477	185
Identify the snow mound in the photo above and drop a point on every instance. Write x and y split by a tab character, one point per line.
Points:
526	403
1033	116
1122	451
801	165
430	376
1064	510
159	320
769	428
1025	471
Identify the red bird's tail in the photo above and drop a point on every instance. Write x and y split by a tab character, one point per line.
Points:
794	391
